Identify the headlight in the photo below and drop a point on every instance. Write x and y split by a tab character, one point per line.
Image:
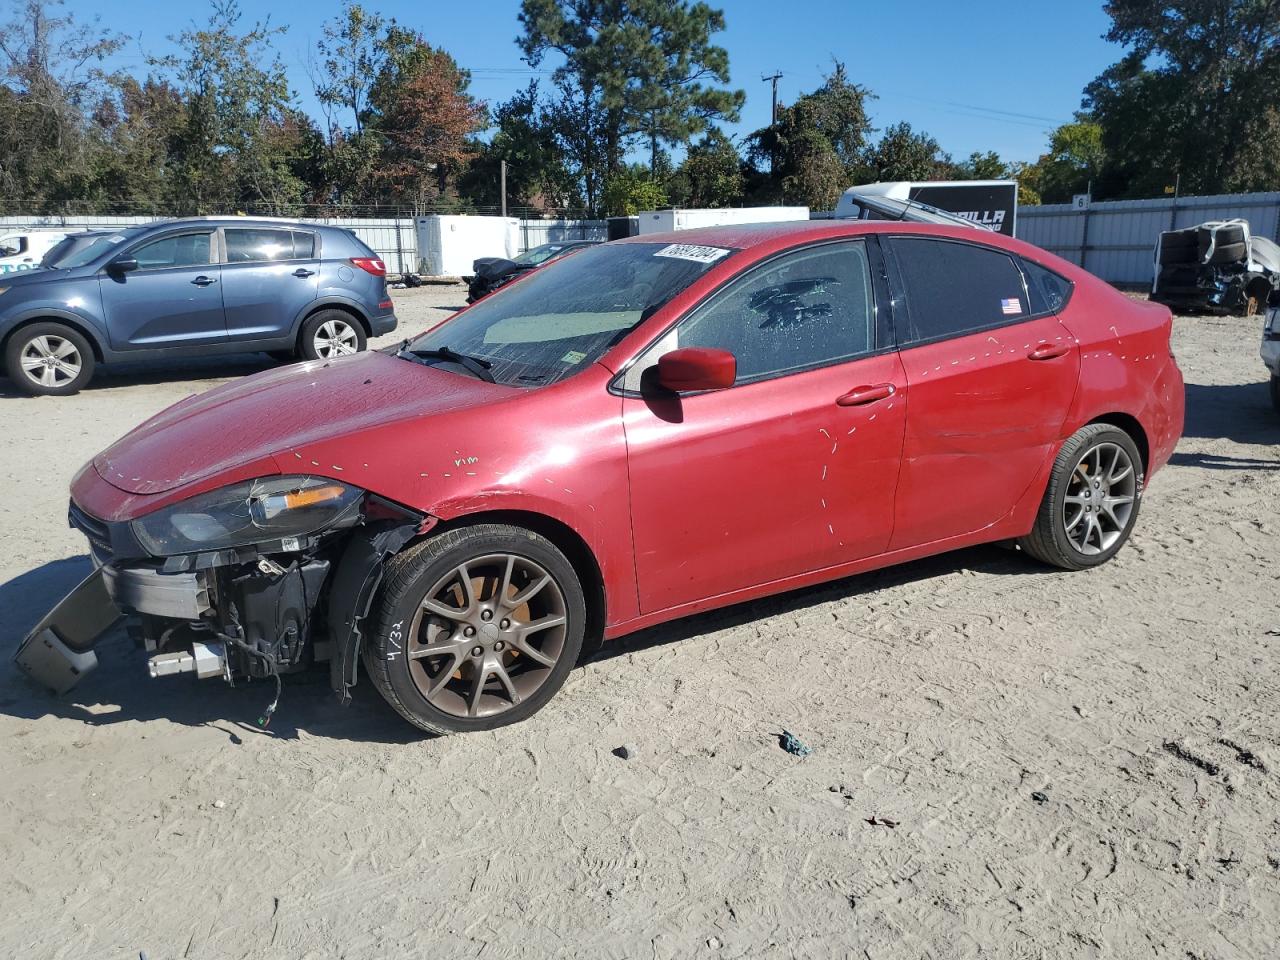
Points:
271	508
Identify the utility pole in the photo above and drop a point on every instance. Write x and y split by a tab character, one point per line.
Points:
503	188
773	116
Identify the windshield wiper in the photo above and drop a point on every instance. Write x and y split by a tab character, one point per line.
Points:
475	365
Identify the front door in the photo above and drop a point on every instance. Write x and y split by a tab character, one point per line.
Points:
990	373
792	469
172	299
269	278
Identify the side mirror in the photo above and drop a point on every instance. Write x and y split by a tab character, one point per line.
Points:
697	368
123	265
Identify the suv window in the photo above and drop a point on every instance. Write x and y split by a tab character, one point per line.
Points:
808	308
248	245
180	250
1047	291
955	288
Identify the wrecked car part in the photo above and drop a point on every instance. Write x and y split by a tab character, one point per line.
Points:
178	596
354	584
205	660
58	652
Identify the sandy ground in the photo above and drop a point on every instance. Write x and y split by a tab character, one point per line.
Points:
1138	702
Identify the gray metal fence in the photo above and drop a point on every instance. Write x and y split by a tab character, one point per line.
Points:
534	233
1116	239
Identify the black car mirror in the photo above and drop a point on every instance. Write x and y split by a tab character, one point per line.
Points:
123	265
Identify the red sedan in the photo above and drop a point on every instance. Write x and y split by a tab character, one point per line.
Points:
648	429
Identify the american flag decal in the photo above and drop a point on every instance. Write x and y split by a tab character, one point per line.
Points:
1011	306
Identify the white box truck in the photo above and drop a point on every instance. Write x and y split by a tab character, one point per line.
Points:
667	221
22	249
992	204
449	245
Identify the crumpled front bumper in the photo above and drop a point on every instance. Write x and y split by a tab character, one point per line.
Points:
58	653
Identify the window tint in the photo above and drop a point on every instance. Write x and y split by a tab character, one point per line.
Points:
184	250
246	245
806	309
1047	291
957	288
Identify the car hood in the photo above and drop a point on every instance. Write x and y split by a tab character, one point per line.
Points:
264	417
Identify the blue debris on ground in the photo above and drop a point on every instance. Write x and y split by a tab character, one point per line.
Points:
789	742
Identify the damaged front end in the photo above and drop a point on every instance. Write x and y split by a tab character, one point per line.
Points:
250	581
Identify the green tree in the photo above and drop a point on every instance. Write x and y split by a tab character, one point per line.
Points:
710	174
51	76
351	53
237	98
816	149
1076	159
630	190
982	166
1193	96
904	154
646	69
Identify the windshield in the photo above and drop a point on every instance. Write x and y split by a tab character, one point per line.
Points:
560	319
84	248
537	255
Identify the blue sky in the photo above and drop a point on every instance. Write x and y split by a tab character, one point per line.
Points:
976	75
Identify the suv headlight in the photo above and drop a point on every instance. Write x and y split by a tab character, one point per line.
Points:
256	511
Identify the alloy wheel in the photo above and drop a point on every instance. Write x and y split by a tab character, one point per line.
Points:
335	338
1100	498
487	635
51	361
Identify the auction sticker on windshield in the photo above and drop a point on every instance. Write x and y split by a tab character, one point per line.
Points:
692	251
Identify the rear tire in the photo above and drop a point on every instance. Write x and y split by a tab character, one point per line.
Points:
329	334
489	669
1275	393
49	359
1091	504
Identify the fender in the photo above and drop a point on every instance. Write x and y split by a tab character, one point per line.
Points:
82	324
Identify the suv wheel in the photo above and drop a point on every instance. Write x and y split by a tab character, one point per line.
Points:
49	359
329	334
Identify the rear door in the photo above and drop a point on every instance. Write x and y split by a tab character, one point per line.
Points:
270	275
990	375
174	297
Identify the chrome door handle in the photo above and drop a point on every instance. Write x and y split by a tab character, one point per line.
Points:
203	281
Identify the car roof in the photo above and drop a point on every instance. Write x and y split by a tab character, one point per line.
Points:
229	220
744	236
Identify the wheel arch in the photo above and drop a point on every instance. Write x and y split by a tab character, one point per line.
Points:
79	326
348	308
1133	427
569	542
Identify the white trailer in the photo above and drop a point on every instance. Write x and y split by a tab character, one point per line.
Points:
449	245
667	221
992	204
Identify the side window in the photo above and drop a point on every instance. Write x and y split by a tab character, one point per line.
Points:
245	245
957	288
304	245
806	309
183	250
12	246
1047	291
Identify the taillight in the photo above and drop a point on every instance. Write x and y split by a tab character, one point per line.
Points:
370	265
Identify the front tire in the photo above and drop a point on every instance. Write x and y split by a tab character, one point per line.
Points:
49	359
476	628
329	334
1091	504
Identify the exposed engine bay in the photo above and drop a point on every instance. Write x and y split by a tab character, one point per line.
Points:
239	612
